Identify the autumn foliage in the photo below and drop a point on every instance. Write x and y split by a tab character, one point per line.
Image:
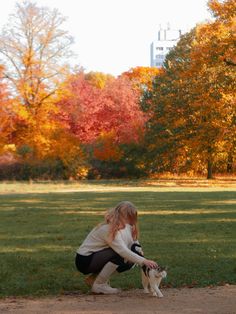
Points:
193	101
142	77
91	112
57	122
6	115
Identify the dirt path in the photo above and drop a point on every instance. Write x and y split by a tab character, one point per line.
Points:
218	300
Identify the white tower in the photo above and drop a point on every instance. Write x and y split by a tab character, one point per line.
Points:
166	40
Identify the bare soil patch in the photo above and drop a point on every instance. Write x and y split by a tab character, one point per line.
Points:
217	300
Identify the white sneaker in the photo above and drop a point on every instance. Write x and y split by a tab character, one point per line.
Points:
103	288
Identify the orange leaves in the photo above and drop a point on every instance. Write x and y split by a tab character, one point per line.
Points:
34	49
215	40
223	11
193	102
66	147
106	149
6	114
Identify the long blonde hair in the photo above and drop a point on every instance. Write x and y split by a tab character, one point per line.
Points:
124	213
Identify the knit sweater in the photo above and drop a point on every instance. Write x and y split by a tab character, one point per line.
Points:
98	239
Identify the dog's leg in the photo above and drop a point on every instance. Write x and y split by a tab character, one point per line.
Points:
145	282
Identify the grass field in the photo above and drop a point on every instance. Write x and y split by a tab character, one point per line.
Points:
192	230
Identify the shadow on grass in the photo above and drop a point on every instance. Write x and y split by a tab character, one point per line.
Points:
192	232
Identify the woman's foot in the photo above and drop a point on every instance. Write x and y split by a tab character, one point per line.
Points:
103	288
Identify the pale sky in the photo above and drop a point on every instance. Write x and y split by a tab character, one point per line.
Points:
111	36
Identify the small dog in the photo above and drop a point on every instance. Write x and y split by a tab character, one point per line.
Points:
151	279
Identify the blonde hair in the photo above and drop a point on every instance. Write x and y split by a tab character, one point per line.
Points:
124	213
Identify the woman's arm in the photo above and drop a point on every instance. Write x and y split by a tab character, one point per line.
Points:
121	248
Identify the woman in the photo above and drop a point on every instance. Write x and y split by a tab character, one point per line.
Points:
112	246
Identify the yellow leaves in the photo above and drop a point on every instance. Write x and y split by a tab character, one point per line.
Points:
98	79
9	148
82	172
66	147
214	41
229	98
142	77
63	91
22	112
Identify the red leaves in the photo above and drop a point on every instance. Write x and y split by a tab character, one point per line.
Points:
90	111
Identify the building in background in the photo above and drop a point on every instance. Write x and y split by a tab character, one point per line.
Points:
166	40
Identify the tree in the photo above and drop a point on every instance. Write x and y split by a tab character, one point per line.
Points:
214	100
165	105
34	49
6	115
102	119
91	112
192	104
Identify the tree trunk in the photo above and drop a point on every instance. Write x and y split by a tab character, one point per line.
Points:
230	163
209	169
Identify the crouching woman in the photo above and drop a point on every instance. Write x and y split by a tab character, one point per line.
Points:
111	247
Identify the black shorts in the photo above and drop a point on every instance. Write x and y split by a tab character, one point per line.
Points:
82	262
94	262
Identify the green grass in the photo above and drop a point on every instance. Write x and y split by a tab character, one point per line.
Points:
191	230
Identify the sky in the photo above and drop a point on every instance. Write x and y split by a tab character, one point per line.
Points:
112	36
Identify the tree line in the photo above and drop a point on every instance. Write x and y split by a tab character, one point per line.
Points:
58	122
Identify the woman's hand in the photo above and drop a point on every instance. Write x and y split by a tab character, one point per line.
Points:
150	264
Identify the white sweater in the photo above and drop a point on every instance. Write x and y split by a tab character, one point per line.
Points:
97	240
